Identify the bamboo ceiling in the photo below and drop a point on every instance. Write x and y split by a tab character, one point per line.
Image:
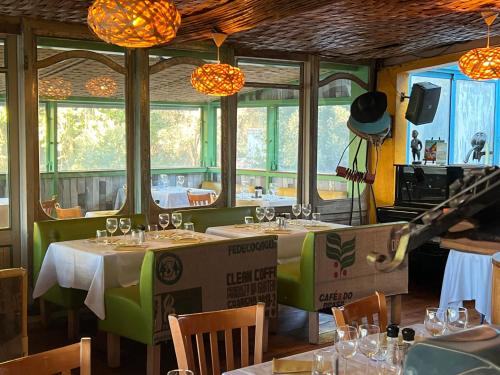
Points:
348	29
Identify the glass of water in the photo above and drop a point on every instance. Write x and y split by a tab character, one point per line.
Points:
101	236
457	319
248	219
316	218
177	219
111	225
189	226
153	231
435	320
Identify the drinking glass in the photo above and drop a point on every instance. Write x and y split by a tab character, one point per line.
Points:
177	219
435	320
153	231
323	363
248	219
296	210
180	181
111	225
125	225
346	342
180	372
270	214
457	319
369	340
272	188
316	218
288	217
164	220
137	236
101	236
260	213
189	226
306	210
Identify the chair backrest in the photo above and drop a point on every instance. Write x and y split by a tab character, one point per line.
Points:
199	199
68	213
184	327
60	360
49	205
13	313
202	218
364	308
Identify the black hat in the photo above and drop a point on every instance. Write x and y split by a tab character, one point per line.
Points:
369	107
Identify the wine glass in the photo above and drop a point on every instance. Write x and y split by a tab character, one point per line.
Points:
435	320
125	225
296	210
180	181
457	319
306	210
111	225
260	213
177	219
369	340
180	372
164	220
270	214
346	342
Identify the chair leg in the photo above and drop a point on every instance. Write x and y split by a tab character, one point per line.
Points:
265	339
73	324
396	309
113	349
313	327
44	312
153	360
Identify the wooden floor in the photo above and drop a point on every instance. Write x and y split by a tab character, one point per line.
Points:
291	336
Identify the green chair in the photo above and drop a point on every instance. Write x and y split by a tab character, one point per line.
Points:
48	231
204	218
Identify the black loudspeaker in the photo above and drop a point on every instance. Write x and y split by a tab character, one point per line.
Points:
424	100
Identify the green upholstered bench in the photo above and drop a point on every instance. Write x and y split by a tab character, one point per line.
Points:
48	231
203	218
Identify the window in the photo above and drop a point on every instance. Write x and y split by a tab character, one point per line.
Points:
184	138
466	108
252	138
334	137
82	133
288	138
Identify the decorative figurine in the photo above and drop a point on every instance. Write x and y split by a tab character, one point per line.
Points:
416	147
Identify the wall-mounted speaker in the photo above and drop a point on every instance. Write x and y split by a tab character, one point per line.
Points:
424	100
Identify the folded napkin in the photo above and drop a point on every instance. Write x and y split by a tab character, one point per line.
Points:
278	231
240	225
290	366
186	240
318	227
130	247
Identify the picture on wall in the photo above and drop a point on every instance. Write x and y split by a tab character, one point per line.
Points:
436	151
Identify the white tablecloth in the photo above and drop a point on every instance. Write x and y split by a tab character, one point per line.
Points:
82	264
289	244
356	365
267	200
168	197
467	277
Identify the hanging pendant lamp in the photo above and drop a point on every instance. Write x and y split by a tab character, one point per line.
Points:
134	23
482	63
55	88
218	79
101	86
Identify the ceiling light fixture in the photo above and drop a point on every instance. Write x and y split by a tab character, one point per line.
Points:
482	63
218	79
55	88
134	23
101	86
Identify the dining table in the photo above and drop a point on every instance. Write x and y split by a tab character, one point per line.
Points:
266	200
357	365
289	240
94	266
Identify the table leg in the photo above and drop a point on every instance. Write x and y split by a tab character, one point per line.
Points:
73	324
44	312
396	309
153	360
113	350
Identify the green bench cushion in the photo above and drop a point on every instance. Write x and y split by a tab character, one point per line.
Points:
203	218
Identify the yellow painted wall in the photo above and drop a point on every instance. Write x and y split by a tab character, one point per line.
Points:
394	80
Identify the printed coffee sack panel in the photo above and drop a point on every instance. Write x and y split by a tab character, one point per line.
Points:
206	277
342	273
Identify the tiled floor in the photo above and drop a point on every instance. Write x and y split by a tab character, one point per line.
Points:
291	336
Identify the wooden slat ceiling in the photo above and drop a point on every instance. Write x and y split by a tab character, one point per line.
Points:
347	29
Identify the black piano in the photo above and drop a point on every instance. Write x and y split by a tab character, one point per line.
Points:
419	188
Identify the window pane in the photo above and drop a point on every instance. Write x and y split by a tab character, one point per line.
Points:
4	155
474	112
184	140
333	137
440	127
252	138
82	136
269	72
288	138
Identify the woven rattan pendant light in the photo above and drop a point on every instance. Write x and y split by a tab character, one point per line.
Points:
55	88
101	86
218	79
134	23
482	63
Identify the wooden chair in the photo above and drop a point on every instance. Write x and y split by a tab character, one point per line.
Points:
60	360
68	213
199	199
49	206
14	313
354	312
183	327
